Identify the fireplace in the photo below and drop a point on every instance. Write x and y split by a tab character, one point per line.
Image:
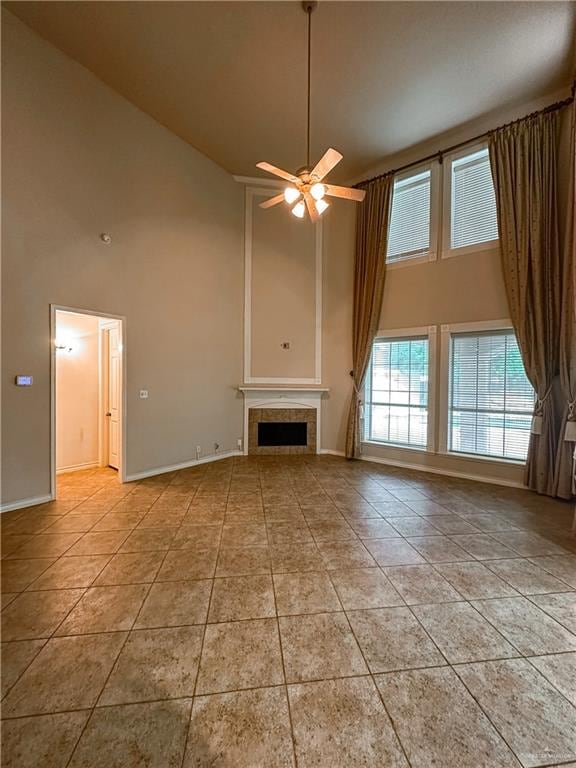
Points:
281	430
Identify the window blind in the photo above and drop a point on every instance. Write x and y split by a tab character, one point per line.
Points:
473	210
396	399
409	229
490	399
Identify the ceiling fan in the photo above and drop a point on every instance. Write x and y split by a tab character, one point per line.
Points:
307	191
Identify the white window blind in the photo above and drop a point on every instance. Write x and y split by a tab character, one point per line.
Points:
396	399
409	229
491	399
473	206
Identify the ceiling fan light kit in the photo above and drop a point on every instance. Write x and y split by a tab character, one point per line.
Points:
307	191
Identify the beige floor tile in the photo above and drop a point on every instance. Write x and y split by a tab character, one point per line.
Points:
175	603
149	540
331	530
155	664
452	524
104	609
462	634
526	626
74	523
319	646
483	546
242	729
560	670
414	526
37	614
288	533
240	654
68	673
45	545
393	552
287	558
243	561
374	528
131	568
528	544
284	514
419	584
526	577
188	564
536	721
425	507
98	543
15	657
197	537
310	592
18	574
390	509
392	639
561	566
151	735
439	723
475	581
562	607
343	723
71	572
364	588
118	521
438	549
346	554
242	597
243	535
46	741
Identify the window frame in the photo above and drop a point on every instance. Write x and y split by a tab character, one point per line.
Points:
435	214
446	251
406	334
447	331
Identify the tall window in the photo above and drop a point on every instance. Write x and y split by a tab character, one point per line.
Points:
490	399
472	203
396	398
409	229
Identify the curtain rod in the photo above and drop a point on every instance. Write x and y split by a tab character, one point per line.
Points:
438	155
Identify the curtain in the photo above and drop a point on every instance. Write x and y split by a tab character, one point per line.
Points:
564	474
523	158
369	269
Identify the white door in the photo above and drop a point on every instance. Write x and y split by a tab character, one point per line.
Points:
114	396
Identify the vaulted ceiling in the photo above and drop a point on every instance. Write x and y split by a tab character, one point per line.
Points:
230	77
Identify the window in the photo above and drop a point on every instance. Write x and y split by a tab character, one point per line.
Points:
409	230
490	400
396	398
472	209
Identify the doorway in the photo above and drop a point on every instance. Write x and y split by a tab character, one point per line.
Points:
87	392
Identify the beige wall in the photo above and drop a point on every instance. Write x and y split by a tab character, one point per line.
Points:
282	296
79	160
77	391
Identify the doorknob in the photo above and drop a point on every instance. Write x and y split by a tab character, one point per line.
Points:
108	413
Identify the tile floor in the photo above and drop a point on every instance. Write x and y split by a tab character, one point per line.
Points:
288	611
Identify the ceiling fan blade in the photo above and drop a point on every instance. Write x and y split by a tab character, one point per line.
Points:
278	172
348	192
272	201
329	160
312	212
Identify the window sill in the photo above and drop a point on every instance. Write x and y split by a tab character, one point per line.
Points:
488	459
411	261
493	246
402	446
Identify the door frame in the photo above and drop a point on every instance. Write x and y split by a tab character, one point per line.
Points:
54	308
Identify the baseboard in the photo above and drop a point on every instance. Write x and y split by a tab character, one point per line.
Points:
78	467
183	465
33	502
332	453
445	472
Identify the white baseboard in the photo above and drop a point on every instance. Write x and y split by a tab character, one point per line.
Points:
332	453
183	465
445	472
21	503
78	467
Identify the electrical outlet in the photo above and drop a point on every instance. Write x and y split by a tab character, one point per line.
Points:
143	394
198	451
285	345
239	443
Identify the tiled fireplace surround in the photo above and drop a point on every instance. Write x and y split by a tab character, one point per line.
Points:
257	415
